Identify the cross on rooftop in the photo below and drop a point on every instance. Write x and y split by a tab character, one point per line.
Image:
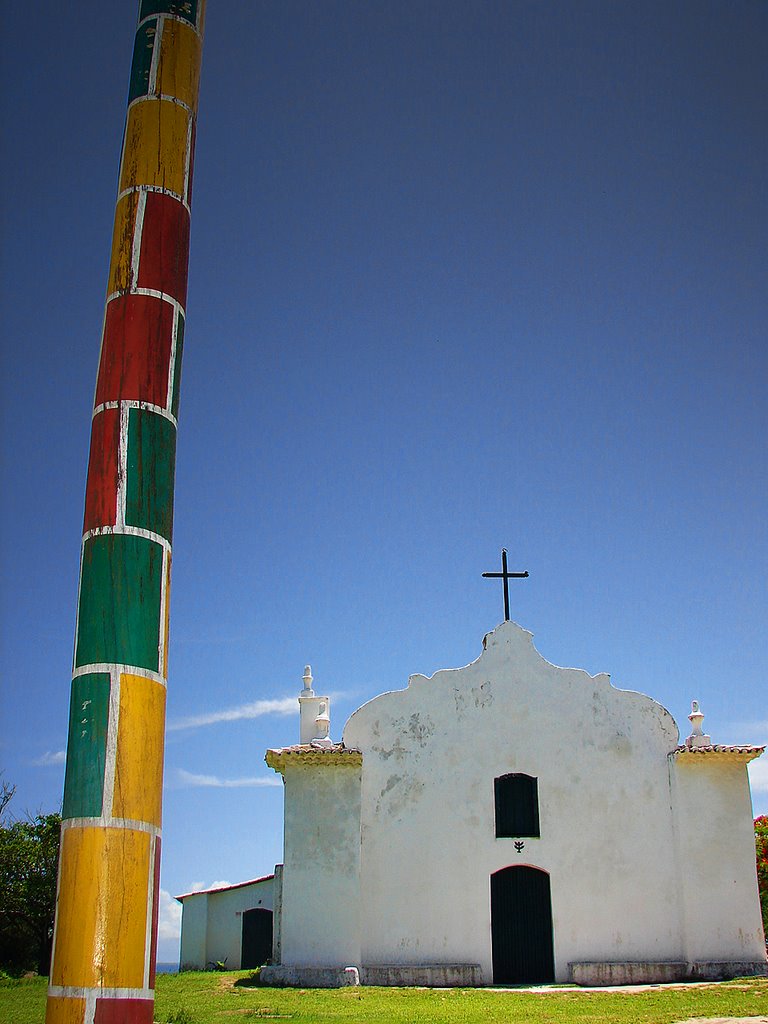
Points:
506	576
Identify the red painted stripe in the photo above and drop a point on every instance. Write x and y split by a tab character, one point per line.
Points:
101	490
164	255
124	1011
136	351
155	914
191	162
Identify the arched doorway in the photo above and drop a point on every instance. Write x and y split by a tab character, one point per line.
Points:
257	938
521	926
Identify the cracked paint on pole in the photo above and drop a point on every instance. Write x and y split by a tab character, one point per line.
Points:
105	938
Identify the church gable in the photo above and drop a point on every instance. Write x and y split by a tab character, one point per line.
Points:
512	705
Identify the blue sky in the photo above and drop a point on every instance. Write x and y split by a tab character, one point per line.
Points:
463	275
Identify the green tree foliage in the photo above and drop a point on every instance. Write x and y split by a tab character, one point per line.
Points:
29	857
761	844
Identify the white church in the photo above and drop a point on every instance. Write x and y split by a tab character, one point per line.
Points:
509	822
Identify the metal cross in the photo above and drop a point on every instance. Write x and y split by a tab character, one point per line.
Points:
506	576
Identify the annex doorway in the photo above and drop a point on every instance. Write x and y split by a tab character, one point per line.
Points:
521	927
257	938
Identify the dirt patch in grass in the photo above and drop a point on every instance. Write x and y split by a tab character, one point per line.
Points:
261	1012
724	1020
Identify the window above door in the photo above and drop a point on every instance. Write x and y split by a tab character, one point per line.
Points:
517	806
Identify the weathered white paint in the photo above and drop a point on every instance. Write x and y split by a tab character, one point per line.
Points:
716	841
320	916
194	928
391	867
277	915
212	922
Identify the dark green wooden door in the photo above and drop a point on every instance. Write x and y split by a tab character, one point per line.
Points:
257	938
521	927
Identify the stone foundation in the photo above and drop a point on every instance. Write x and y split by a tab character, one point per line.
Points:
402	975
287	976
423	975
723	970
587	973
650	972
630	972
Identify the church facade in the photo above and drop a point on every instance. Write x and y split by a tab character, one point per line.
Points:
513	822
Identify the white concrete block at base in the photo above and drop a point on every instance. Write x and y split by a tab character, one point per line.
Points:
634	972
291	976
426	975
648	972
722	970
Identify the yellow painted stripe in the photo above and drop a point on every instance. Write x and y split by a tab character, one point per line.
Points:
155	148
122	244
61	1010
140	738
178	69
102	908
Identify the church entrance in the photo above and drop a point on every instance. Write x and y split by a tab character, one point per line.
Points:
521	927
257	938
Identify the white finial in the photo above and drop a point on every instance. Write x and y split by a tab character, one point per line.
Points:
697	737
307	677
314	714
322	728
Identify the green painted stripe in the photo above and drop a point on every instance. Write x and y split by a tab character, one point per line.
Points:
142	60
119	610
186	9
177	367
150	477
87	746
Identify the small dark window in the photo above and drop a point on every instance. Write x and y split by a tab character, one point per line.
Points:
517	806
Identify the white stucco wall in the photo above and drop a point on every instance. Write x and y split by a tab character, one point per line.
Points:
212	922
430	756
320	918
194	925
718	877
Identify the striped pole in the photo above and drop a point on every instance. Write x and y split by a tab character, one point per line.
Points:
103	968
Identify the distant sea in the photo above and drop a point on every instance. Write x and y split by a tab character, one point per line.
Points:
167	968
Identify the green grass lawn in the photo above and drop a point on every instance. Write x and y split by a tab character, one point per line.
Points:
210	998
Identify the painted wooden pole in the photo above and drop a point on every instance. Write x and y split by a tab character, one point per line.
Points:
103	969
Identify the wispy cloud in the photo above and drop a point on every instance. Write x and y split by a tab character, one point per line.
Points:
256	709
169	917
50	757
192	779
219	883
